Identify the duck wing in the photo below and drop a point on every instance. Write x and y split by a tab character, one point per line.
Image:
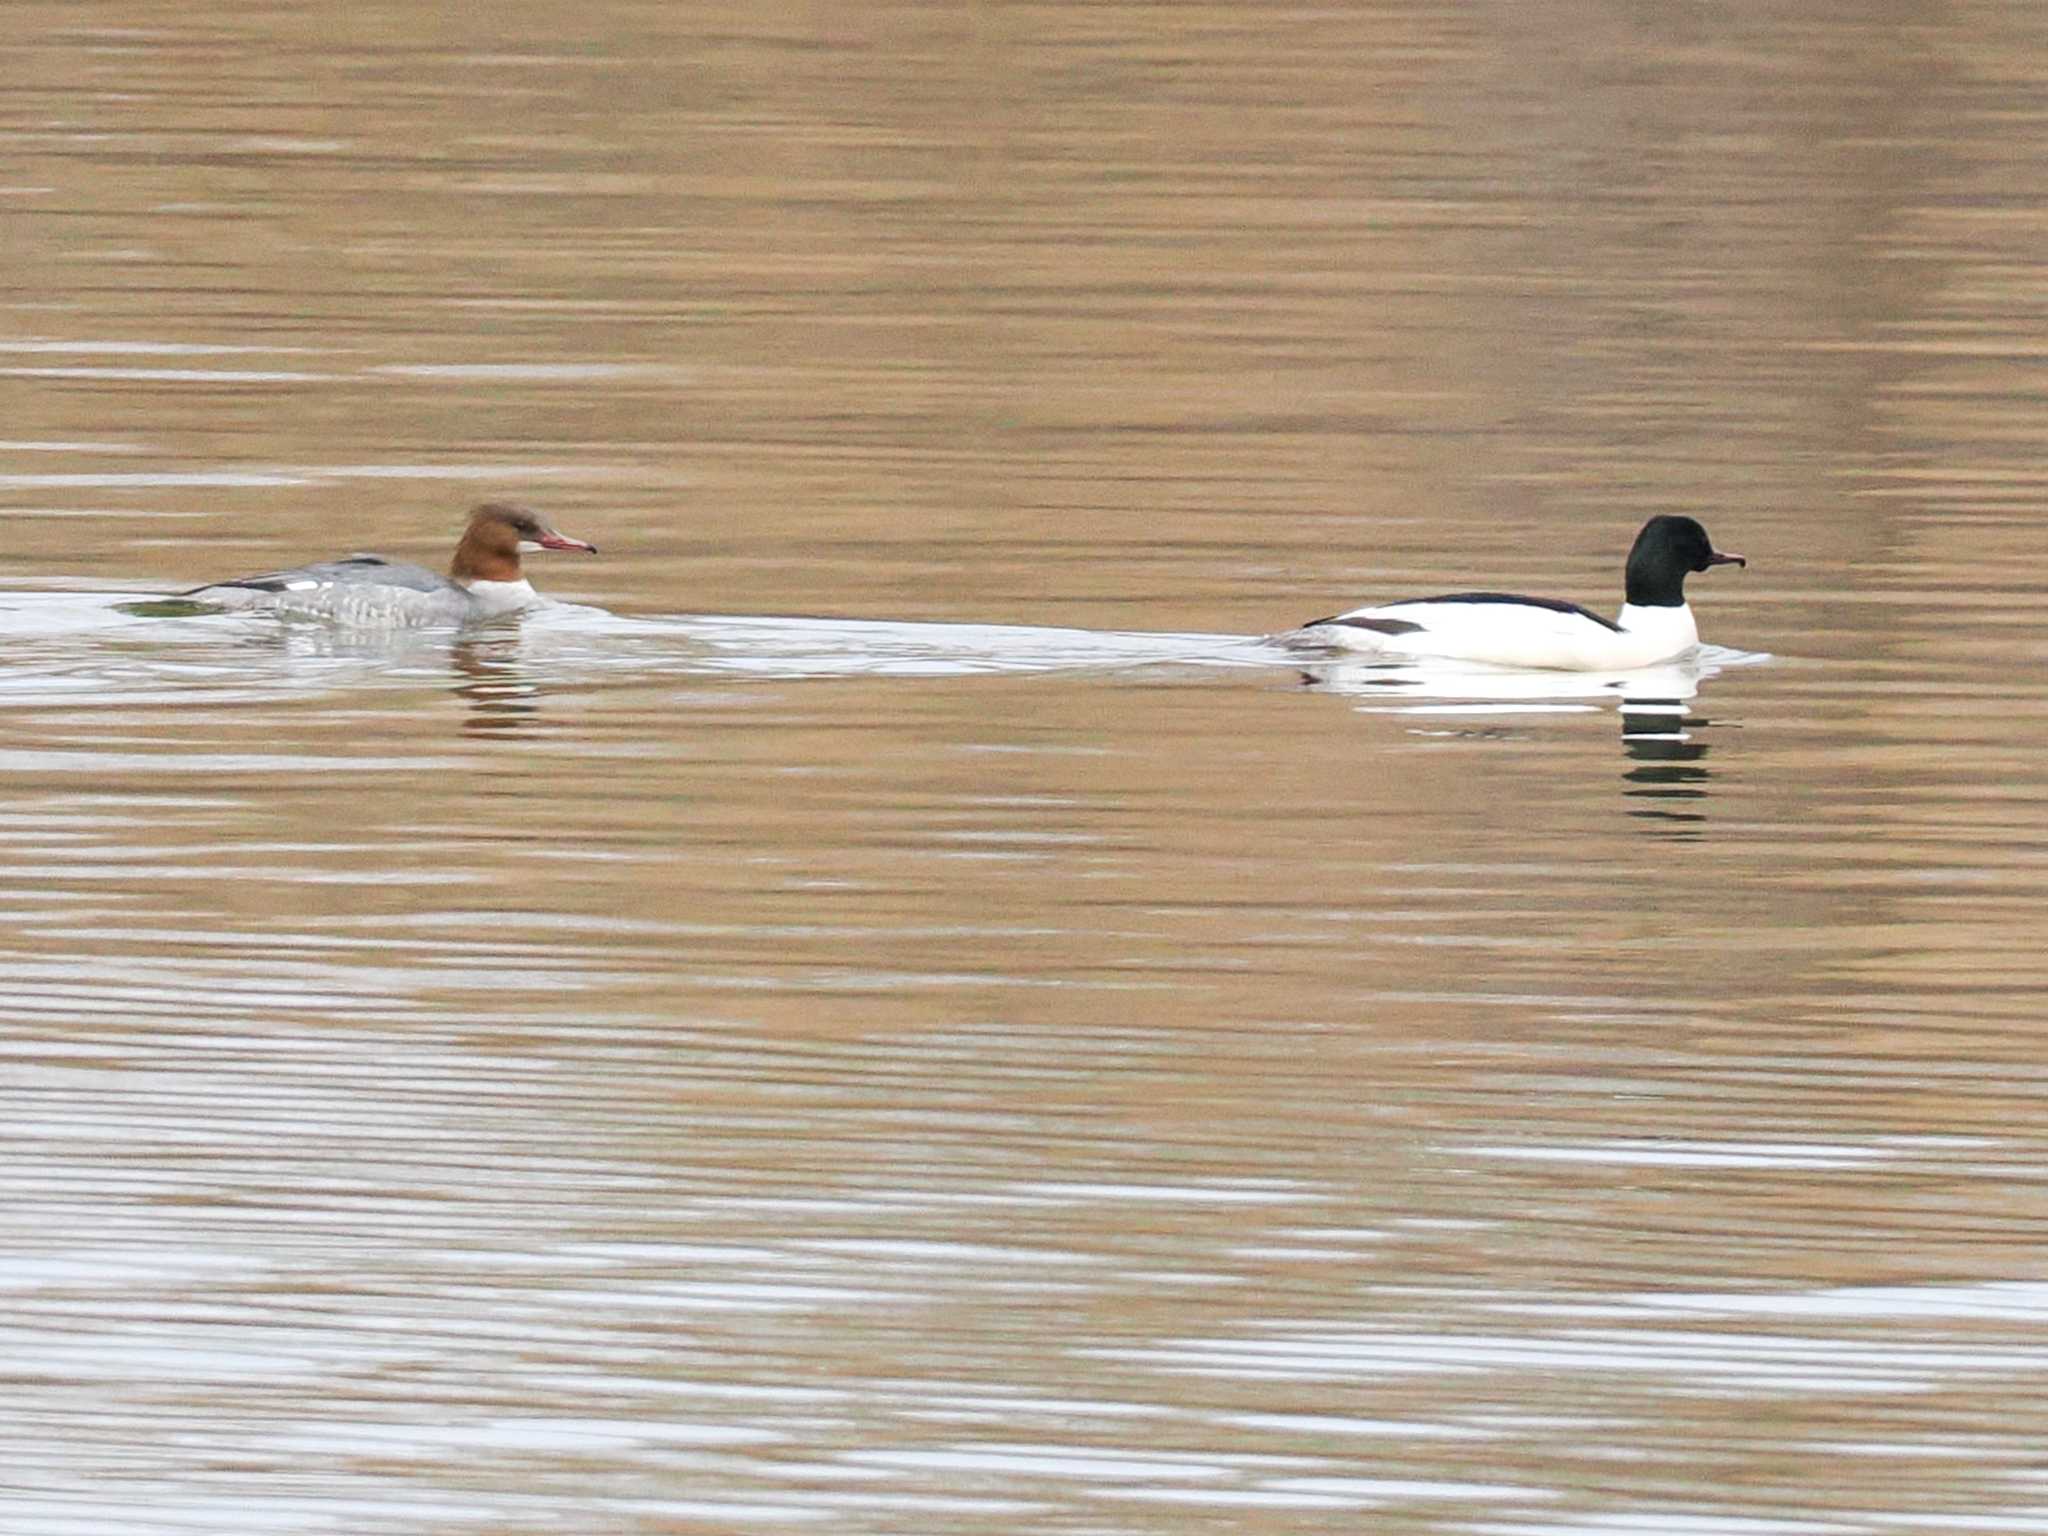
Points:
354	570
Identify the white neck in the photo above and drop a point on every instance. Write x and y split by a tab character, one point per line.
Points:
493	597
1662	633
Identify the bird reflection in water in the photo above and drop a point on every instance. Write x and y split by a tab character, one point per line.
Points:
1668	777
1670	774
491	679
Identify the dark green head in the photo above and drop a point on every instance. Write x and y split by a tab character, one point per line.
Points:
1664	553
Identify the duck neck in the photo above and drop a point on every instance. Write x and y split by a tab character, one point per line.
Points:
479	558
1664	630
1654	583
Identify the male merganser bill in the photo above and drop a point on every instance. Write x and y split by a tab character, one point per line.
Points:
1502	630
483	580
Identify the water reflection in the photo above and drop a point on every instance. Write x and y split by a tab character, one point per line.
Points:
492	679
1652	700
1669	781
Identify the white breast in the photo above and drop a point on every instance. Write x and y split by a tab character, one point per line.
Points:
490	598
1661	633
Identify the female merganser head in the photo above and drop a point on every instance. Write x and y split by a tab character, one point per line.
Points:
1506	630
484	578
499	532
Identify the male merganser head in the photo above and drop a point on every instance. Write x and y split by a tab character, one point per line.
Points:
1662	555
499	532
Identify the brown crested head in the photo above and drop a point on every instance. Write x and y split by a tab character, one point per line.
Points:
499	532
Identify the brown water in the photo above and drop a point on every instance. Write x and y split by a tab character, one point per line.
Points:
647	1073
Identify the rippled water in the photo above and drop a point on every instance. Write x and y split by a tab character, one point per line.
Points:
890	1009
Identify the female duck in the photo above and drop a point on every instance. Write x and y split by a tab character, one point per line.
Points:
1502	630
484	578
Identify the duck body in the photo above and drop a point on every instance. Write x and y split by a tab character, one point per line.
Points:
484	579
1508	630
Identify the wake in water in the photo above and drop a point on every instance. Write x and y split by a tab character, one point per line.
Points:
107	645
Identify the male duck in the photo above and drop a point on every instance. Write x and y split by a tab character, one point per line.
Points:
1499	629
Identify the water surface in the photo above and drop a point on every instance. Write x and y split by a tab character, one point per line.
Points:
891	1011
